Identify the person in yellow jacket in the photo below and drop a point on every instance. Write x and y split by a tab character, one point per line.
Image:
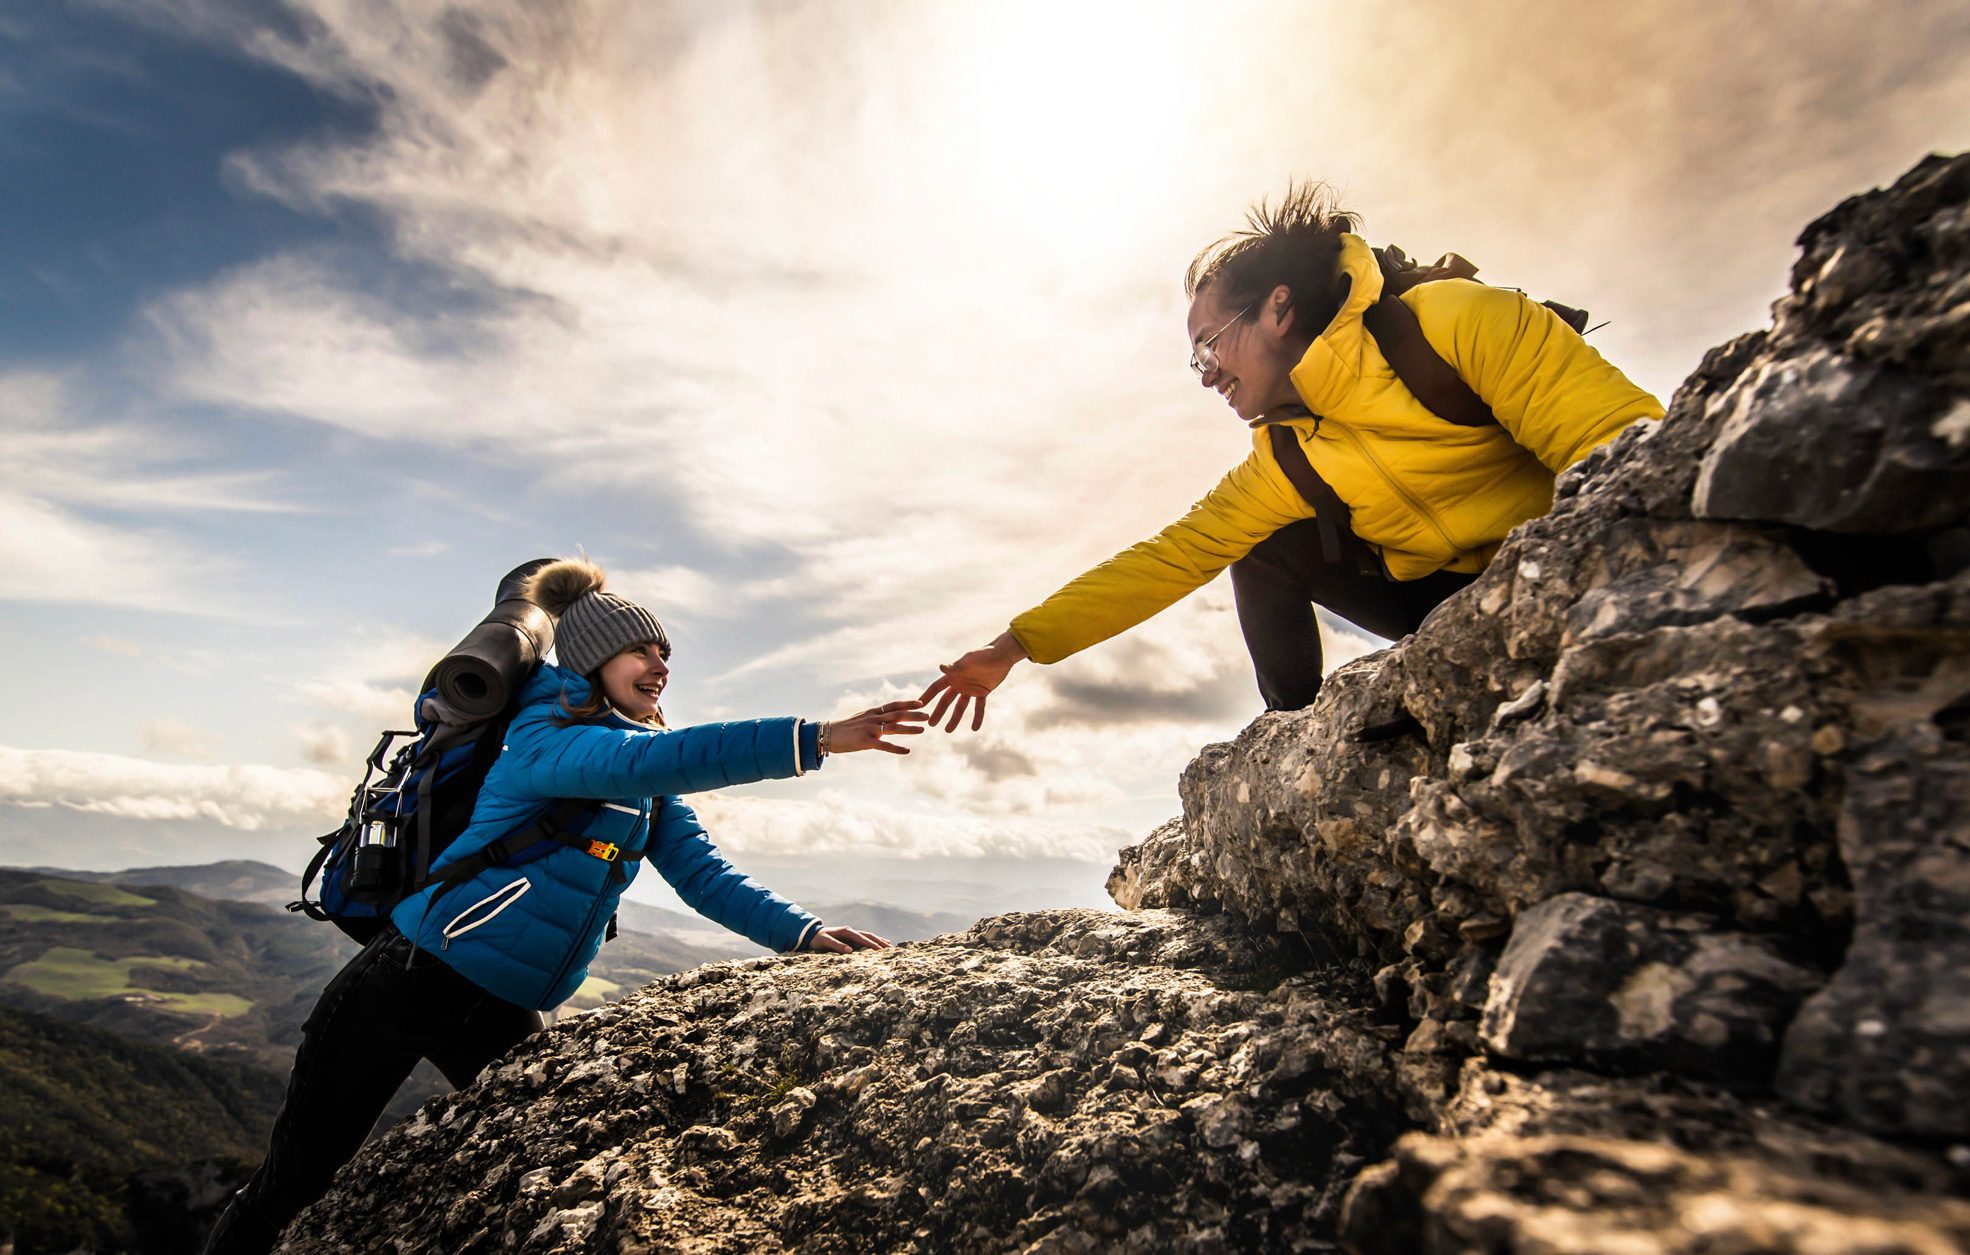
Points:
1277	328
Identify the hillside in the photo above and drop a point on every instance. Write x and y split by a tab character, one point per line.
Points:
230	980
1620	909
82	1110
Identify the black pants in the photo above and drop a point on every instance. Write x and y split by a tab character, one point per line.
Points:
372	1024
1286	574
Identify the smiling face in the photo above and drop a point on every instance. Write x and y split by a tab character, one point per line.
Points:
1250	363
633	681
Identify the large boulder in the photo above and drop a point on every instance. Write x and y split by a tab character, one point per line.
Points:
1698	733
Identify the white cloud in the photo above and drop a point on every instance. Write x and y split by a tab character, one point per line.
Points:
50	554
378	704
70	487
836	822
248	797
369	680
387	652
866	385
422	549
176	739
685	590
325	745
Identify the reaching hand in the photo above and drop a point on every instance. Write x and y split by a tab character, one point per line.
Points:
864	731
970	678
842	939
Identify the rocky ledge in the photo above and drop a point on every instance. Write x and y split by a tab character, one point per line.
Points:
1625	907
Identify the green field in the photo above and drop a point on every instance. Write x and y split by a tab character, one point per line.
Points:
28	913
95	893
594	992
66	972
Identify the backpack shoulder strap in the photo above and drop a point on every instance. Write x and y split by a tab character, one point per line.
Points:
1421	369
1328	509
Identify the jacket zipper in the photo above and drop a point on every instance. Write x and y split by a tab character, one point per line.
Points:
588	922
1423	511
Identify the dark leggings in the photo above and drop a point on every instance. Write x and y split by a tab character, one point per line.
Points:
372	1024
1278	583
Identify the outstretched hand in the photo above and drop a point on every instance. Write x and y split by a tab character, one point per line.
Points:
970	679
842	939
866	729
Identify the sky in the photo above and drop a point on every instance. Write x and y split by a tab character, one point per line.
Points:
838	333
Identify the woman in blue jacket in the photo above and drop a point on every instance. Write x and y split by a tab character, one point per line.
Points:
471	960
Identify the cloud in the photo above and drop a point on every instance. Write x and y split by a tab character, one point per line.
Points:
685	590
377	704
835	822
196	663
49	554
73	488
325	745
387	652
371	679
423	549
803	410
994	759
248	797
176	739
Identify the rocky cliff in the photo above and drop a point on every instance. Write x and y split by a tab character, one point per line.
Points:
1622	908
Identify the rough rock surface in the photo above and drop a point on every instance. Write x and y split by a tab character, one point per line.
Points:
1071	1081
1626	986
1625	907
1726	680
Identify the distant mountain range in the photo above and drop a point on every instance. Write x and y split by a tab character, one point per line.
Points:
202	958
245	880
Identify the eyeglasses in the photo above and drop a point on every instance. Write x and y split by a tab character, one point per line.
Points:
1204	359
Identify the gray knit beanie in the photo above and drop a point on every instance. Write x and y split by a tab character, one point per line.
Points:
594	626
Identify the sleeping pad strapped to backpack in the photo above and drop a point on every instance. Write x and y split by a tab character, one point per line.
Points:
411	805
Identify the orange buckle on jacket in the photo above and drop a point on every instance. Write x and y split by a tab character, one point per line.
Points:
604	850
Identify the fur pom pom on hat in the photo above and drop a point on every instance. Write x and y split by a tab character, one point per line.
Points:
594	625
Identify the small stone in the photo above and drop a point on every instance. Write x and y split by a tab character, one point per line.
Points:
791	1111
708	1139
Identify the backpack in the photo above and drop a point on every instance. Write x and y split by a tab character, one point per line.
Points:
420	785
1429	378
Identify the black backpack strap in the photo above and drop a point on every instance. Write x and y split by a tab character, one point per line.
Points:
1421	369
1329	511
551	826
312	909
1331	515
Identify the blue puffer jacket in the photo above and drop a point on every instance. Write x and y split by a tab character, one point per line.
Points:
527	930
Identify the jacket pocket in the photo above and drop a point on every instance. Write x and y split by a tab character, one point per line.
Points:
486	909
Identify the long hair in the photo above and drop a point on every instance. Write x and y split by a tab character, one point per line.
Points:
1297	243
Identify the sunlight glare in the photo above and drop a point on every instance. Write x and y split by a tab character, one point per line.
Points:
1077	117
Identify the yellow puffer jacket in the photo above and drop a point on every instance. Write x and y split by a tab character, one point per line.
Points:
1428	494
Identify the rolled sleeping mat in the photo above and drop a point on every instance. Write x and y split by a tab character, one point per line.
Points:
483	672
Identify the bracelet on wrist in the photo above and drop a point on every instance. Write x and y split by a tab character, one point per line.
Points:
821	738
